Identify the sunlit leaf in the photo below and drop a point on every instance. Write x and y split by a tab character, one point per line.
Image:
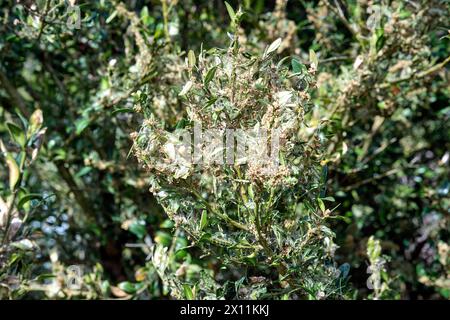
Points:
14	172
231	12
203	220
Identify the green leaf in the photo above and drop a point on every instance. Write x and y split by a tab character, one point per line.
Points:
182	123
250	192
14	172
105	287
296	66
122	110
45	276
380	38
231	12
404	14
128	287
138	228
17	134
209	103
81	124
188	292
83	172
27	198
251	259
210	75
167	224
112	16
163	238
145	17
203	220
321	204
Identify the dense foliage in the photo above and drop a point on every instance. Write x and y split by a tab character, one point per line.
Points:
98	198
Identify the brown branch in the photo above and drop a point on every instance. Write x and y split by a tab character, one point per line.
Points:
43	24
433	69
338	11
14	94
81	199
419	75
369	180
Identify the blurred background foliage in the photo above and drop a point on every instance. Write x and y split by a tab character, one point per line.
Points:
383	91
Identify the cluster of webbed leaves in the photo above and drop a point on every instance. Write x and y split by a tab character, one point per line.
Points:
382	83
248	213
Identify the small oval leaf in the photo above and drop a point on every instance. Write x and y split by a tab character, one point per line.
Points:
203	220
274	46
313	58
14	172
186	88
126	286
191	59
188	292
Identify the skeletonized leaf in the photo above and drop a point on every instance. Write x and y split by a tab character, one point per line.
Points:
358	61
344	148
24	244
2	147
119	293
38	143
284	97
231	36
14	227
3	212
186	88
313	58
377	122
274	46
36	121
191	58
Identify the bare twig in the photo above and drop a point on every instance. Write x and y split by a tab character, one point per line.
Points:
369	180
